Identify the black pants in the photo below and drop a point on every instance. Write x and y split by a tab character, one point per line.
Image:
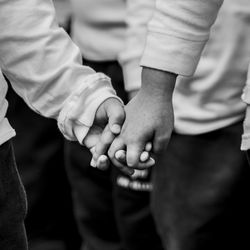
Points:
110	216
39	151
201	192
12	203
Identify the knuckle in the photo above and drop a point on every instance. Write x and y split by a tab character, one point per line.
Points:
111	153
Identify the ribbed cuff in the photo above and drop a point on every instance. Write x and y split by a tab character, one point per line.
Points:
132	75
78	113
246	94
245	143
172	54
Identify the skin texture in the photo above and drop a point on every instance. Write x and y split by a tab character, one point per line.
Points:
110	115
149	117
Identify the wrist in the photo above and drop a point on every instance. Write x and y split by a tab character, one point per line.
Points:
158	83
132	94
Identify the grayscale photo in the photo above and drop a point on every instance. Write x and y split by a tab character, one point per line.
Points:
124	124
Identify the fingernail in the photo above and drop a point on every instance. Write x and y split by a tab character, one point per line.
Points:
102	158
152	161
92	150
93	163
130	164
116	129
148	146
144	156
118	155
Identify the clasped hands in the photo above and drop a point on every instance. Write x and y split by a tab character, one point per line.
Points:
131	137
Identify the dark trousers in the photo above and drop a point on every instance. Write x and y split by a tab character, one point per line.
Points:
110	216
39	151
201	192
12	203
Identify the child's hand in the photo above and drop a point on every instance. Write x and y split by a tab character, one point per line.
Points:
108	122
145	161
149	117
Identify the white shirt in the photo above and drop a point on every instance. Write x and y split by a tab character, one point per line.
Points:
177	33
211	99
44	67
98	28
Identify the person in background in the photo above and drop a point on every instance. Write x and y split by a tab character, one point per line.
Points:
111	208
44	67
201	180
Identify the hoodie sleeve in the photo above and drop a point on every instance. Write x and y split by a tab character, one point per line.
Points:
44	67
139	12
177	34
245	143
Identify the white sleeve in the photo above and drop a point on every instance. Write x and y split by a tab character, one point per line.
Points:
245	143
139	12
177	34
44	67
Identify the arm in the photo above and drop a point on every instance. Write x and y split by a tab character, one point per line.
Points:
139	13
176	36
44	67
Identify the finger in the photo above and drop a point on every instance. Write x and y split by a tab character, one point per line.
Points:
148	146
116	115
160	143
93	163
144	156
120	155
134	152
103	144
123	167
102	162
92	150
116	145
92	137
145	165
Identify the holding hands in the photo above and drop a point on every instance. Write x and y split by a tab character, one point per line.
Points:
146	126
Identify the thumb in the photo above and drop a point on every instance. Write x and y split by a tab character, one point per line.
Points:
116	115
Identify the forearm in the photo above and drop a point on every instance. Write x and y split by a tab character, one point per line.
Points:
36	56
177	34
44	66
158	84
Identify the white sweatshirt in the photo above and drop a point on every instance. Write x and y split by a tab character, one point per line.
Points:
44	67
177	34
98	28
211	99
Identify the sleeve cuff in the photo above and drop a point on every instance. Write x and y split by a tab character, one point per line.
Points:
132	75
246	94
172	54
78	112
245	143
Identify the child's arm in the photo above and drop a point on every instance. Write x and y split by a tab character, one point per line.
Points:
44	67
